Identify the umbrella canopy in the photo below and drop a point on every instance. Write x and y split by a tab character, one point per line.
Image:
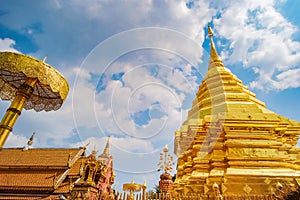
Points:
29	83
50	90
132	187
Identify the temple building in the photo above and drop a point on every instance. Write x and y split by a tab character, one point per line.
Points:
231	142
55	173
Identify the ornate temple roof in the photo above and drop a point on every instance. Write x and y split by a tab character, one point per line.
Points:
39	171
53	173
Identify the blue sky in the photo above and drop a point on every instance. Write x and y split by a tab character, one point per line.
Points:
134	67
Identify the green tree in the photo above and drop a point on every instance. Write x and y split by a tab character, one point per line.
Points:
157	189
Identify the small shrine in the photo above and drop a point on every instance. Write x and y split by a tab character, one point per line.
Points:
96	177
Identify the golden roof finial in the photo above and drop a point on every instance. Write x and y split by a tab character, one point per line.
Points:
214	57
30	141
106	153
94	152
166	149
144	184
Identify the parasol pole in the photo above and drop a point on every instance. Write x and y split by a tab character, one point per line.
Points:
20	89
16	106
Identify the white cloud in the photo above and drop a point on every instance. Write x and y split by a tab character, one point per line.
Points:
141	91
79	26
256	30
117	144
289	78
7	44
260	37
16	140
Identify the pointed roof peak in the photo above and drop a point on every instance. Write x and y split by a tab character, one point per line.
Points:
214	57
94	152
106	153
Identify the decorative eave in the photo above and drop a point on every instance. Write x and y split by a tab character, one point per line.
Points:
76	157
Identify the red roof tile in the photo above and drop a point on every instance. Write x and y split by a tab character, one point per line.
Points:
31	178
35	169
35	157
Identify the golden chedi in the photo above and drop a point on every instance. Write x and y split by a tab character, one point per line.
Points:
231	140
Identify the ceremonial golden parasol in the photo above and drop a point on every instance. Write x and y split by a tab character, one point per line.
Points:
131	187
29	83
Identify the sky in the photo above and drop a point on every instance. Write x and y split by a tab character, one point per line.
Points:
134	67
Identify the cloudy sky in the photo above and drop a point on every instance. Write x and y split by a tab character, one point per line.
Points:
134	67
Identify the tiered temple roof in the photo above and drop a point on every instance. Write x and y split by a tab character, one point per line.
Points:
37	173
230	139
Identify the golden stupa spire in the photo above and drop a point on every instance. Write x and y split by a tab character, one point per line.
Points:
214	57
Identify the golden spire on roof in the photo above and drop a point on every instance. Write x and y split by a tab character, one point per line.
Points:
214	57
105	153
